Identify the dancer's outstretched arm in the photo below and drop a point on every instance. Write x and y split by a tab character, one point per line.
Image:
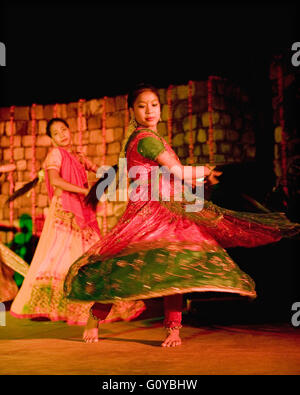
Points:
175	167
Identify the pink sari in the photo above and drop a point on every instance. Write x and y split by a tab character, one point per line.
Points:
70	229
73	171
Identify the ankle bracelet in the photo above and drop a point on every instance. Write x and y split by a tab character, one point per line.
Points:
170	330
93	316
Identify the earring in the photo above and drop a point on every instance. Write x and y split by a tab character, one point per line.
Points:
133	122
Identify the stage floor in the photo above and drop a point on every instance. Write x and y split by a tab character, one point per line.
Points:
133	348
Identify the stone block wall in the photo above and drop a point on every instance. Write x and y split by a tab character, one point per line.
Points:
286	107
234	138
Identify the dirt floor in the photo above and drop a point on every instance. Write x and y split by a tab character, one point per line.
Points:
30	347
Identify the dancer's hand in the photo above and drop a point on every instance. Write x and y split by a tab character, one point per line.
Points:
213	177
208	169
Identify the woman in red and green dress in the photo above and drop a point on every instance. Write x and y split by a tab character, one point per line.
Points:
165	246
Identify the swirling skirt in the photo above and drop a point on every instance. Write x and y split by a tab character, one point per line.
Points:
159	248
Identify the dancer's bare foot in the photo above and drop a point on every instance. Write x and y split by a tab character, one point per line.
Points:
90	334
172	339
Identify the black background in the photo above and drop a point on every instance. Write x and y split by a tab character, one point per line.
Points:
60	52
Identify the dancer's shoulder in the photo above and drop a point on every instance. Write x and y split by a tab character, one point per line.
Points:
53	158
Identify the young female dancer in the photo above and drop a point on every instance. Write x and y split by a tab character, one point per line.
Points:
163	247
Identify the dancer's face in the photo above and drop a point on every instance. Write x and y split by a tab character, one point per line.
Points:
60	134
146	110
